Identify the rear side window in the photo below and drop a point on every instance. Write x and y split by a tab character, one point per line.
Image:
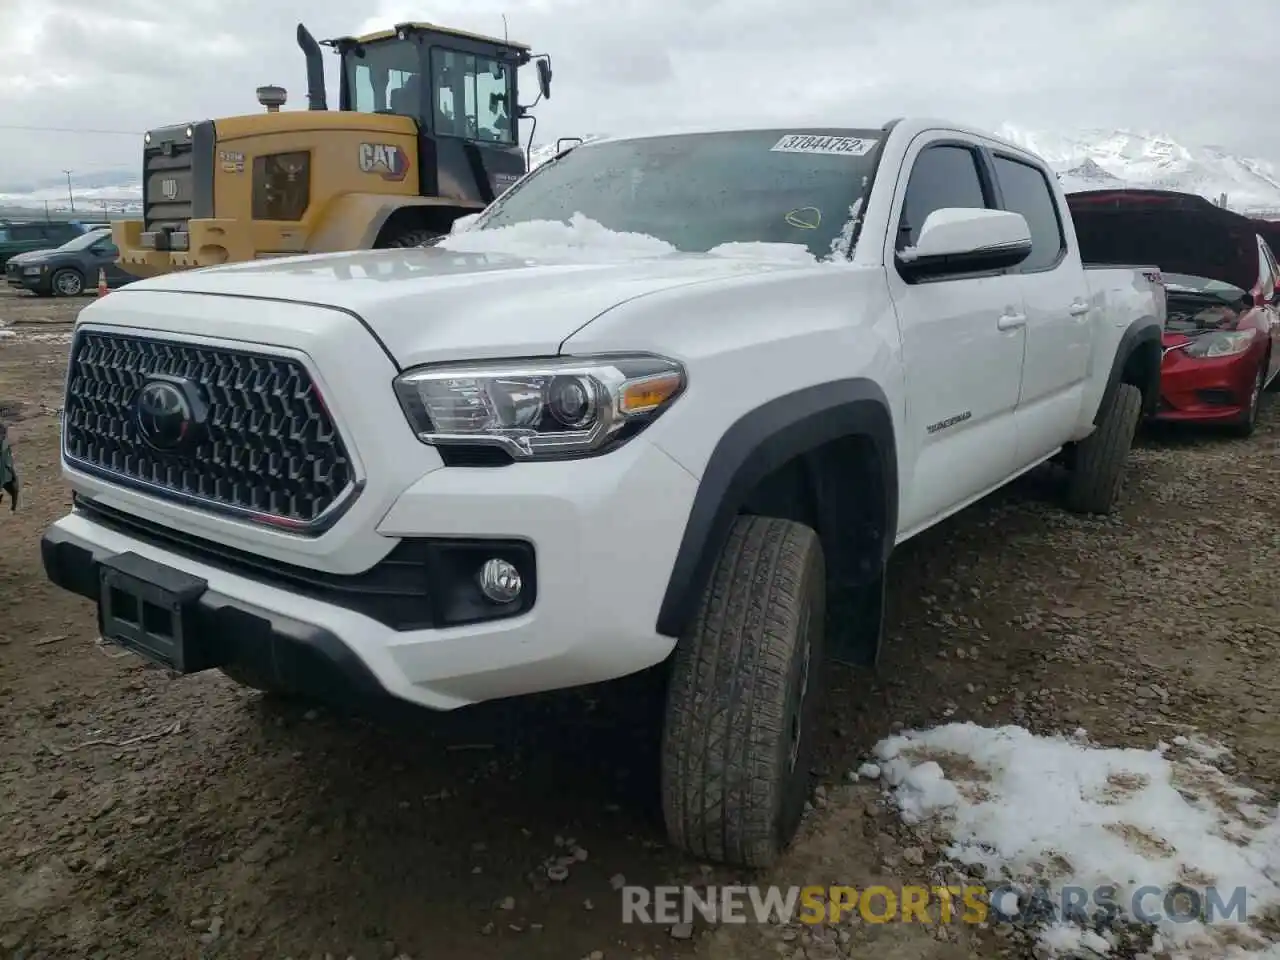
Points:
943	176
26	231
1026	191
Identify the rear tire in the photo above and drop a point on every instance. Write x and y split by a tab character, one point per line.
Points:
1100	458
743	698
407	237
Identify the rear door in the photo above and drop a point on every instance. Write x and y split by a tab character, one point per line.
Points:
962	370
1056	296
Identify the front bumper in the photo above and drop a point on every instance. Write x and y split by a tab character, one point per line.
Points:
205	243
601	570
1212	390
34	283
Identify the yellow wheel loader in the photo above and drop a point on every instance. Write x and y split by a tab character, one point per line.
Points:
426	131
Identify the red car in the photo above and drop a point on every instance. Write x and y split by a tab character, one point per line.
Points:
1222	334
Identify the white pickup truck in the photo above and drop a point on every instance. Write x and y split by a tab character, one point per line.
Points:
670	400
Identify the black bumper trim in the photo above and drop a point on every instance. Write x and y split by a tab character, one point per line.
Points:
227	632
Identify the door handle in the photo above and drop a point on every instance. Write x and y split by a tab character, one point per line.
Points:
1011	321
1078	308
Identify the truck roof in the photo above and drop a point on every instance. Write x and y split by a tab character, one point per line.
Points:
436	28
911	126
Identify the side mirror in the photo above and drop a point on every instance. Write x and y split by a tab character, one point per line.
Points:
966	240
544	78
463	223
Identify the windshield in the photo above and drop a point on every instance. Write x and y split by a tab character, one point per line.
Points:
701	191
85	240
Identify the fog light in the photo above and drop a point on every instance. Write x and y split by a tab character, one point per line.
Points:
500	581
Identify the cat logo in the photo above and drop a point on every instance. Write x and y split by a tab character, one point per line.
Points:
384	159
169	188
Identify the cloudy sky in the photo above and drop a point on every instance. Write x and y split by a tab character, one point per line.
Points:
1202	71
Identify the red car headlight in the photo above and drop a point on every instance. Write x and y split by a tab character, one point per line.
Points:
1221	343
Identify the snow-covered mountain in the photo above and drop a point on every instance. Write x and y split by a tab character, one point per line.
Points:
1085	160
1093	159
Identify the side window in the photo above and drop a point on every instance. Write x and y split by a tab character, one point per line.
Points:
943	176
472	96
27	232
448	83
1026	191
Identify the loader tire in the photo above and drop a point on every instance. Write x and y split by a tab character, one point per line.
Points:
743	698
407	237
1097	472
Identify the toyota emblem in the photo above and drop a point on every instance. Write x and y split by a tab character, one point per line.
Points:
166	414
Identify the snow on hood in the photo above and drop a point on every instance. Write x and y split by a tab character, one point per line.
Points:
583	240
580	239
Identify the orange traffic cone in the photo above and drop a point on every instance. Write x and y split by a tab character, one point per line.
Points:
102	282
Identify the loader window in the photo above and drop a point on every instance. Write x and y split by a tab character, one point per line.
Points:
472	96
385	78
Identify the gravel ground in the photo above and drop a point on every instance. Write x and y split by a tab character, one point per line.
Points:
144	816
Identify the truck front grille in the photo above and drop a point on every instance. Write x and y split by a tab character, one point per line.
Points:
250	436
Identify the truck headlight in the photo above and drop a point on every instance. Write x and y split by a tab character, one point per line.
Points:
557	408
281	185
1223	343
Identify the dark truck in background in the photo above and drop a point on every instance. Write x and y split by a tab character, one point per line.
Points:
23	236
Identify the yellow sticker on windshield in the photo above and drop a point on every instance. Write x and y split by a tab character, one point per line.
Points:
806	218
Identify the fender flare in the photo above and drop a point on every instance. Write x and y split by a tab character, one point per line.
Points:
758	443
1145	333
353	220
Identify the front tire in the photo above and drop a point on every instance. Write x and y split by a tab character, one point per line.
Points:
1249	421
67	283
1100	458
743	698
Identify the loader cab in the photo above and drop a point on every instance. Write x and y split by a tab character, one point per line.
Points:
462	91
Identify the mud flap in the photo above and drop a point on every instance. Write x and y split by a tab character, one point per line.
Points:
855	623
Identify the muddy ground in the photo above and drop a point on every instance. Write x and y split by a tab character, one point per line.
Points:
144	816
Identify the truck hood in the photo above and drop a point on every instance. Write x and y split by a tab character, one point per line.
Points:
431	304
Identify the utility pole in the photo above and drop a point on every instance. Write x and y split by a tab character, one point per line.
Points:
71	197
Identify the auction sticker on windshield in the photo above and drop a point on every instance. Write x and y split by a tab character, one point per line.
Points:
812	143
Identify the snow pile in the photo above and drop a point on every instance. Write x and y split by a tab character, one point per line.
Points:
580	239
583	240
1027	810
796	252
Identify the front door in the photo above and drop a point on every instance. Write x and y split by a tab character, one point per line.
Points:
963	362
